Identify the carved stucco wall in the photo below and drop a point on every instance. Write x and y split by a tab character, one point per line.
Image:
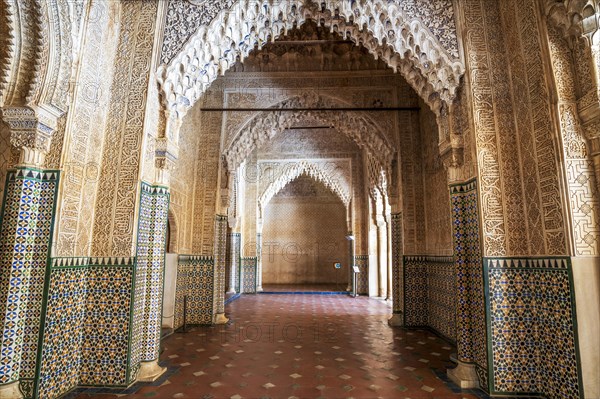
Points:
114	223
85	133
537	145
412	177
438	224
409	46
264	89
579	166
207	126
513	127
183	179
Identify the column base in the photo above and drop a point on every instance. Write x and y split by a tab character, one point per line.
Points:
231	291
259	288
464	375
397	320
150	371
220	318
10	391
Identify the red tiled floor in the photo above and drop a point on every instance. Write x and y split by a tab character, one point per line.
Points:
304	346
304	287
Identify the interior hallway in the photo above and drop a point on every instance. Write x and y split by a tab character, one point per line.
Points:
303	346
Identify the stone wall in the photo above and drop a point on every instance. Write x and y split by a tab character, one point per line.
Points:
304	233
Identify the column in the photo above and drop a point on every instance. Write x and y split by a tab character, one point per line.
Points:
233	257
397	318
259	286
382	257
151	253
149	284
351	250
25	236
220	255
470	322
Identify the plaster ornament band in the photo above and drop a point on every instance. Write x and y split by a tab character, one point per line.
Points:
231	29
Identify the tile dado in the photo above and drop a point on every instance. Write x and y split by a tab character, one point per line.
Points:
149	275
195	280
532	327
25	234
429	294
87	324
220	256
79	309
362	280
471	336
248	275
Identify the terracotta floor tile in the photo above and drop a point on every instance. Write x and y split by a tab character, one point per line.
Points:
304	346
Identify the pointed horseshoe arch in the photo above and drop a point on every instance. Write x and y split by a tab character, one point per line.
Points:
261	128
337	184
385	29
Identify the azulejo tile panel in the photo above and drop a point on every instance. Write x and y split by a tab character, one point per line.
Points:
429	294
87	324
248	275
107	325
195	286
26	230
532	327
471	334
233	259
63	329
220	256
397	263
150	264
362	280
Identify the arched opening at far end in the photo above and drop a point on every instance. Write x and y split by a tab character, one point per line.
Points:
304	239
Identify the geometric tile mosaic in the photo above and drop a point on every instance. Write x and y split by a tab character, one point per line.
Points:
362	278
533	346
471	332
25	234
194	290
233	260
220	256
87	324
429	294
248	275
108	323
149	272
63	331
397	267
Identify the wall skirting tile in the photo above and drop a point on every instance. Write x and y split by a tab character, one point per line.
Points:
532	325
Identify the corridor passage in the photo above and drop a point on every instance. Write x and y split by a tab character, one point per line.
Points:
303	346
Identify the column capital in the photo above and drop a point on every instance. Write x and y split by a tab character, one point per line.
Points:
31	131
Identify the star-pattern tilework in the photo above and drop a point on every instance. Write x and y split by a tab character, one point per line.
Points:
362	280
532	327
220	256
150	264
471	334
397	265
25	236
87	324
430	294
195	280
248	275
